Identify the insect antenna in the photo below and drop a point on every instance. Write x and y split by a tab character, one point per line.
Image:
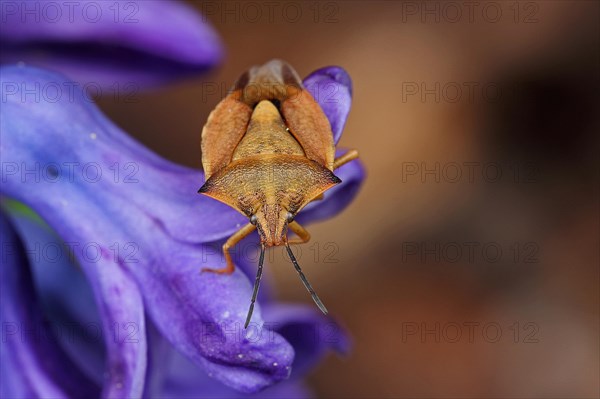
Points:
256	284
314	295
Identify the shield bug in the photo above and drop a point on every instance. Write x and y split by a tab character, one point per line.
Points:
267	151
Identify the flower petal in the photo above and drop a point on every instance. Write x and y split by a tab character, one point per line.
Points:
72	311
30	132
185	381
70	145
332	88
118	300
202	315
109	43
32	363
311	333
180	378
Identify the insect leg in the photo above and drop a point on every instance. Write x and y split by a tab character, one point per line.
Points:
344	159
234	239
303	235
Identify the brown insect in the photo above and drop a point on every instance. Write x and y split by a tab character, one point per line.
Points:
267	151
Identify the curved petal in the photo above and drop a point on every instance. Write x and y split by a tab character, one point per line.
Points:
32	363
182	379
188	382
30	131
70	145
202	315
117	296
109	43
72	311
332	88
311	333
72	308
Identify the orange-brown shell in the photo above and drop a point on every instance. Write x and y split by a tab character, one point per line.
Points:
268	151
277	82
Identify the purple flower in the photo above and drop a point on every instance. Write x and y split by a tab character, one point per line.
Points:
109	45
139	234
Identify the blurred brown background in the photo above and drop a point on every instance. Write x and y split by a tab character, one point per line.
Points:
481	285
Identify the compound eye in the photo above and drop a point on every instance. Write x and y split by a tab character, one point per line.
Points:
289	217
253	219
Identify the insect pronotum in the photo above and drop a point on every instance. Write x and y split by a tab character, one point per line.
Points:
267	151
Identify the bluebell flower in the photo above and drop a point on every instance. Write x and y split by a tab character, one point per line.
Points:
166	330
